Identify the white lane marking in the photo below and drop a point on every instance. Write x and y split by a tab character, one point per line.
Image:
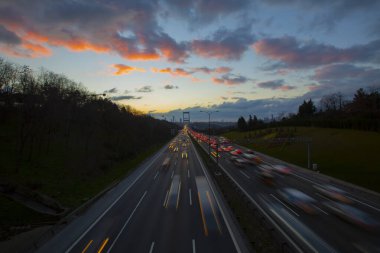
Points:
191	202
151	248
259	207
113	203
179	190
242	172
166	198
354	199
126	223
188	173
237	246
158	172
284	204
304	178
320	210
194	251
322	196
293	230
172	174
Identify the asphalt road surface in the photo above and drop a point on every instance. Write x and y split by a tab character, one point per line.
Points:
320	232
156	209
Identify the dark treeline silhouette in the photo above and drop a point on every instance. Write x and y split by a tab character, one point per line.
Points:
361	113
43	113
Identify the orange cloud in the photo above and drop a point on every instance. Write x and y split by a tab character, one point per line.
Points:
36	50
173	72
124	69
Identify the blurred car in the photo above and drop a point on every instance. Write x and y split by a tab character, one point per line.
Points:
239	162
333	193
252	158
299	200
234	153
249	151
229	148
238	151
266	175
282	169
184	155
352	215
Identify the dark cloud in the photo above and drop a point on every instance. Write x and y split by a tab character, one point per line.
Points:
232	110
224	44
170	87
129	28
328	13
198	13
113	90
206	70
8	37
145	89
345	78
291	53
231	79
224	98
118	98
275	85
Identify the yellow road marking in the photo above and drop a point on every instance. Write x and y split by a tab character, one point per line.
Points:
87	246
203	216
213	211
103	245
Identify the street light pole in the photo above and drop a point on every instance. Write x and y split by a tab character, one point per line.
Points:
209	130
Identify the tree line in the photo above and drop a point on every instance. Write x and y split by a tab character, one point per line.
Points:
42	113
362	112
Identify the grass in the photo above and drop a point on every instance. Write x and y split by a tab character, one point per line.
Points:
350	155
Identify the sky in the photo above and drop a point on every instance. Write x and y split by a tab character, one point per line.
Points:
237	57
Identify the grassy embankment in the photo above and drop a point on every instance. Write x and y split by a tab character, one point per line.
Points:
54	176
349	155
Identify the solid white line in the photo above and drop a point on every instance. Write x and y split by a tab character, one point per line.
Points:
320	210
260	208
293	230
284	204
322	196
244	174
188	173
151	248
158	172
237	246
113	203
304	178
179	190
166	197
172	174
194	251
191	202
126	223
354	199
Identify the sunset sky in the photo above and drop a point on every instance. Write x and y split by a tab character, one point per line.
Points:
240	57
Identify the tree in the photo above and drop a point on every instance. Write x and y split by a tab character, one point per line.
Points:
242	124
250	123
306	109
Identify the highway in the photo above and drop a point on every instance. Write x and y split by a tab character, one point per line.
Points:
156	209
323	231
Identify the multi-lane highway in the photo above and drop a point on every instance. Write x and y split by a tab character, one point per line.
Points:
322	231
168	204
